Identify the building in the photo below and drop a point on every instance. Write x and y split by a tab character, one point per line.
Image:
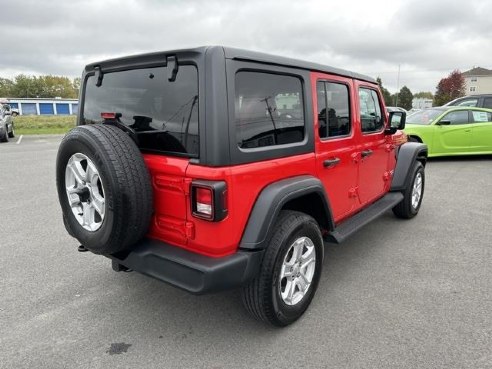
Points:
478	81
421	103
39	106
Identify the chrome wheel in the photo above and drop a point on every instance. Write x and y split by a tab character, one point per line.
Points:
417	190
85	192
297	271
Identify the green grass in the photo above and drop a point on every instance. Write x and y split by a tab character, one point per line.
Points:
43	124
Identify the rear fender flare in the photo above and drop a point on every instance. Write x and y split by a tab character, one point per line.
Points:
271	201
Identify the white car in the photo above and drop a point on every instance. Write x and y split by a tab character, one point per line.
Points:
6	123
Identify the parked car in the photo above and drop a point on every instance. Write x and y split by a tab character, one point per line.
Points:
6	123
392	109
216	168
396	108
479	101
452	130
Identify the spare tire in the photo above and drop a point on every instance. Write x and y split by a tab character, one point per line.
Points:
104	188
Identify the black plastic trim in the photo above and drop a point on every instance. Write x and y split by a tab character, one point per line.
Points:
359	220
218	189
195	273
407	154
270	202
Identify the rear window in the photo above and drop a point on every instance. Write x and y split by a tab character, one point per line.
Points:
163	114
269	109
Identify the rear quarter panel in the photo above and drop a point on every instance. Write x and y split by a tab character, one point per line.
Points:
244	183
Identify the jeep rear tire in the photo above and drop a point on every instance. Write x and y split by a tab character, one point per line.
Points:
104	188
413	193
290	271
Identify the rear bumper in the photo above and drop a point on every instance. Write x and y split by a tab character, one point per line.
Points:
192	272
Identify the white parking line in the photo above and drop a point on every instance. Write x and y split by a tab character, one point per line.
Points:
20	139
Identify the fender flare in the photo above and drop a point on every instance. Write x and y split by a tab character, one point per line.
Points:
407	155
269	203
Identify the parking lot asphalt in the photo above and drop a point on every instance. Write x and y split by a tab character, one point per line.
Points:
398	294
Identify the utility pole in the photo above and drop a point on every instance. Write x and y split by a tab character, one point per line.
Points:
397	86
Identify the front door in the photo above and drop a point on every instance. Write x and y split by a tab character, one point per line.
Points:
454	137
336	149
373	147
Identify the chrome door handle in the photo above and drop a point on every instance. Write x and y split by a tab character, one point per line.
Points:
331	162
366	153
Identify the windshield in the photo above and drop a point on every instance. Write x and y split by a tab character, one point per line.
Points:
163	114
424	117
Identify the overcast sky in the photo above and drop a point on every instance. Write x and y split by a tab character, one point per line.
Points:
428	39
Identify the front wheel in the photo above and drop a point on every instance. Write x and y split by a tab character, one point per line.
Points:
290	271
413	194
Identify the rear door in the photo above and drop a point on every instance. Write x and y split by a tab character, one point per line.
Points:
373	148
336	149
481	138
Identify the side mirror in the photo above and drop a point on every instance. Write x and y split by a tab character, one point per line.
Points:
443	123
397	121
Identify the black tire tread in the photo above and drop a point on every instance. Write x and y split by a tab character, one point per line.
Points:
256	296
134	210
5	137
403	209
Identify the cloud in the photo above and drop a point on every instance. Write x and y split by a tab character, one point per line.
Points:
427	38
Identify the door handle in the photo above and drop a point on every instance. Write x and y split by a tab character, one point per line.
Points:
366	153
331	162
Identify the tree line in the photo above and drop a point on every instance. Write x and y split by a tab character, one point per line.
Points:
448	88
47	86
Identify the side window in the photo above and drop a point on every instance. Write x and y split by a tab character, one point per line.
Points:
457	117
370	111
269	109
333	109
487	102
481	116
468	102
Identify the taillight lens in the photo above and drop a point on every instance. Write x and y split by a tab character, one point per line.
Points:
208	200
108	115
204	201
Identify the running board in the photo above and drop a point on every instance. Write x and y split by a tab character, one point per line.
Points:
357	221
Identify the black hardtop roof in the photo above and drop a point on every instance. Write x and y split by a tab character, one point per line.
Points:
232	53
239	54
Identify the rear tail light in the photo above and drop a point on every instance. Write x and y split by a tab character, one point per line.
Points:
208	200
204	201
108	115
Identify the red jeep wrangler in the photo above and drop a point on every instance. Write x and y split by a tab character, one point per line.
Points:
217	168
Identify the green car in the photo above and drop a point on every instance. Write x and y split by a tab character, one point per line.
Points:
452	130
